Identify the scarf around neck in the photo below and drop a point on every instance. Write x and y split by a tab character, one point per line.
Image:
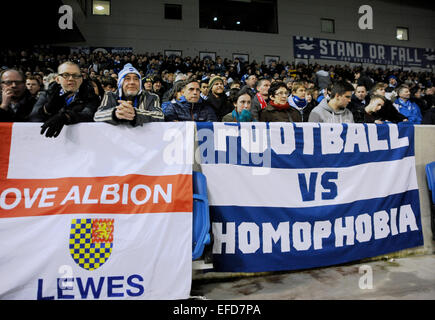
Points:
244	116
300	103
263	102
280	106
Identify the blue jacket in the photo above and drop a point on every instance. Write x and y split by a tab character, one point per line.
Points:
410	110
186	111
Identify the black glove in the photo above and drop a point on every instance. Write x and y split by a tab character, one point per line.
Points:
54	125
55	100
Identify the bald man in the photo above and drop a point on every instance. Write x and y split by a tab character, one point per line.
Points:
69	100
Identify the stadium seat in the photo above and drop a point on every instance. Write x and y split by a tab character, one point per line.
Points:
430	175
201	218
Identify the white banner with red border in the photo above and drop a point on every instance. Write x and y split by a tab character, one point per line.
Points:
100	212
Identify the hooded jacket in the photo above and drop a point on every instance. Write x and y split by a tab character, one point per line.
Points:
324	113
182	110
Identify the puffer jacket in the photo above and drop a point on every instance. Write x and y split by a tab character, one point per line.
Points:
183	110
324	113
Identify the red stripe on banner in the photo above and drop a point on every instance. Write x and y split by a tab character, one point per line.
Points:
5	148
130	194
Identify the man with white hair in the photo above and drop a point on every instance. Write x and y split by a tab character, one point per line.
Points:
129	104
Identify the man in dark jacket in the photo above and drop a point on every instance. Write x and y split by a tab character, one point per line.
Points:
217	98
358	103
67	101
129	104
190	107
16	102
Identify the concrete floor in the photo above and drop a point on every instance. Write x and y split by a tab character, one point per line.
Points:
409	278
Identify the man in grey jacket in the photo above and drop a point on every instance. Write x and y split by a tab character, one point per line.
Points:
129	104
334	110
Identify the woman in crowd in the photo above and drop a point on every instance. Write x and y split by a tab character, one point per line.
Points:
278	109
241	99
176	92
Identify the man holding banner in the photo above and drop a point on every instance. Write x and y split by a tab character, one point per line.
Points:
69	100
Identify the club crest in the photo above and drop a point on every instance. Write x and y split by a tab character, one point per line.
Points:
91	242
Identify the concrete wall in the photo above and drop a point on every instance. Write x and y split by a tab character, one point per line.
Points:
140	24
424	154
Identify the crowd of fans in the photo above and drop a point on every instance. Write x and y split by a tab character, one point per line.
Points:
63	89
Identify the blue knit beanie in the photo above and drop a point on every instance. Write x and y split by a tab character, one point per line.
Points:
128	68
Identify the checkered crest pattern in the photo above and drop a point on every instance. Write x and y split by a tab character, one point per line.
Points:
91	242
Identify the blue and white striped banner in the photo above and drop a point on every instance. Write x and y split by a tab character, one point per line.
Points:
287	196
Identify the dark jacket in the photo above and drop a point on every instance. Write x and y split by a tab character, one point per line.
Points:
220	105
429	117
147	108
271	114
186	111
21	111
389	113
356	106
422	104
81	109
256	107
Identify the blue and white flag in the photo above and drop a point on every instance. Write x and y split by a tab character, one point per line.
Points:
362	52
287	196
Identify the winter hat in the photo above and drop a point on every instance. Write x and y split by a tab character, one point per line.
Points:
213	80
128	68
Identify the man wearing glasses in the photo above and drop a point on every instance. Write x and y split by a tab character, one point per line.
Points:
16	101
69	100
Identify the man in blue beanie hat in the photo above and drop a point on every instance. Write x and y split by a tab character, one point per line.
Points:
129	104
